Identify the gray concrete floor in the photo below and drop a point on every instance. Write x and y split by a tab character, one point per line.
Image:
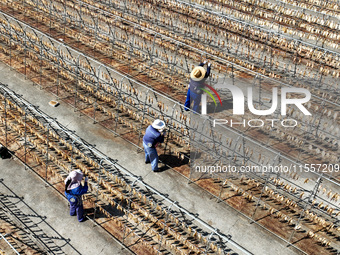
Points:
85	237
189	196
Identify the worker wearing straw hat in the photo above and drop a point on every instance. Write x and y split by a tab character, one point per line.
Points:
197	79
73	191
154	135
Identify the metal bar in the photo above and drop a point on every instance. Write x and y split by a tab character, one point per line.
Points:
208	54
121	169
9	244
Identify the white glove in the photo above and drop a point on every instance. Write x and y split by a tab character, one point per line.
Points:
204	62
86	179
68	178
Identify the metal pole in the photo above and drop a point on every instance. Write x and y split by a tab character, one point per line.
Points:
48	136
5	113
25	145
143	117
9	244
98	185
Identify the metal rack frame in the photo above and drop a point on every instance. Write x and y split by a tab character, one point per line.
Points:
217	145
30	223
106	165
73	62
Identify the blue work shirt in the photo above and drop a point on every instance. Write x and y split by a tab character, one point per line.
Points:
152	137
76	193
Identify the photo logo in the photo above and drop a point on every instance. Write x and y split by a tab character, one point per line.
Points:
239	100
215	92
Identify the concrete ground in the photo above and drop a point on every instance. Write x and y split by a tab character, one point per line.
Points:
85	237
48	203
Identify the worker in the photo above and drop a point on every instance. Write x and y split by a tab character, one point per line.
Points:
154	135
74	191
197	79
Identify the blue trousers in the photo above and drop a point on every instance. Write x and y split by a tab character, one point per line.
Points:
192	97
151	156
76	208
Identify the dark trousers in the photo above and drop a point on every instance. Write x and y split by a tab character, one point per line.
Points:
76	208
151	156
195	98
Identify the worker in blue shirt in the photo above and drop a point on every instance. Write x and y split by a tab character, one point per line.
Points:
73	192
154	135
198	77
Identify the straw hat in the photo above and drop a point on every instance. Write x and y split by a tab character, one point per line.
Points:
158	124
198	73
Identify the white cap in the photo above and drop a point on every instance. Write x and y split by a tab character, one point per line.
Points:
158	124
76	175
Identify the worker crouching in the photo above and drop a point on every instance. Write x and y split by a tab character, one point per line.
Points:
74	191
154	135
